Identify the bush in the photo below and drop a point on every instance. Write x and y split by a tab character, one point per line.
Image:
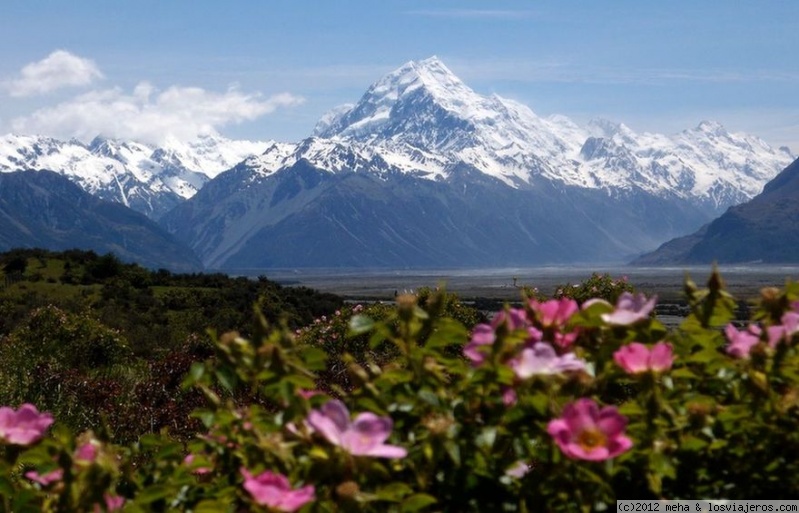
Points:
552	407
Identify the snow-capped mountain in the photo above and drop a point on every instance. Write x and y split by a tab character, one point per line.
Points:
423	118
150	180
423	171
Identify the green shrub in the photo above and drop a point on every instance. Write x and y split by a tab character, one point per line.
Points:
551	407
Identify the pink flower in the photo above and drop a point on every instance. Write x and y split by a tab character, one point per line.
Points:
636	358
555	312
587	433
45	479
482	336
630	309
365	436
86	452
485	334
509	397
24	426
564	340
784	331
541	359
274	491
112	503
307	394
742	342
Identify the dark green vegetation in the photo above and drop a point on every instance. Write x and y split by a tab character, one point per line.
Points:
42	209
765	229
93	339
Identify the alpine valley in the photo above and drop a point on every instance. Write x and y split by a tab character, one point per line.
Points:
422	172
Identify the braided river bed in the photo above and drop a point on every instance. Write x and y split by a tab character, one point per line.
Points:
743	281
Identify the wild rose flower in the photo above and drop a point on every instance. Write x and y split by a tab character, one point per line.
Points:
47	479
307	394
630	309
86	453
112	503
274	491
365	436
636	358
485	334
24	426
587	433
784	331
565	340
541	359
509	397
555	312
482	335
742	342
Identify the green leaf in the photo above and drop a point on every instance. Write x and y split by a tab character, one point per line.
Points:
417	501
393	492
683	373
487	437
662	465
704	356
211	506
454	451
196	373
6	486
314	357
448	332
693	444
153	493
631	409
360	324
301	381
429	397
226	378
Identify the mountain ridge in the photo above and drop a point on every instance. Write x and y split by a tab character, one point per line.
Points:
43	209
764	229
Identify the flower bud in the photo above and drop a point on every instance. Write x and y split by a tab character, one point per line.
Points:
348	490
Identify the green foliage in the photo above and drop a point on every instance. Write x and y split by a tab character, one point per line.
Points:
103	343
474	435
596	287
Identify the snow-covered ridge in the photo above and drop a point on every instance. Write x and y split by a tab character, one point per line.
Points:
129	172
423	120
423	109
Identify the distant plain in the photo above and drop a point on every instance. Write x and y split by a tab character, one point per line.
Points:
743	281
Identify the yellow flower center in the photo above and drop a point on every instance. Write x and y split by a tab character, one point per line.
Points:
590	439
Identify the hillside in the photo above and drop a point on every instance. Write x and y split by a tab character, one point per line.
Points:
42	209
763	230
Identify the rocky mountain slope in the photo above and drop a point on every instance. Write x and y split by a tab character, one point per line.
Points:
763	230
43	209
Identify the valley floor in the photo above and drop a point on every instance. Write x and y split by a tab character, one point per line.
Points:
743	281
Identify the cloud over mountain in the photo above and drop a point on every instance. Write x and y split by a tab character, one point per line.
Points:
58	70
146	114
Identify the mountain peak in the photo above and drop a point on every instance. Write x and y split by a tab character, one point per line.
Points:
412	88
711	127
430	73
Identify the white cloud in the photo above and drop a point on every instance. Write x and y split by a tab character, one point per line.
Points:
58	70
147	115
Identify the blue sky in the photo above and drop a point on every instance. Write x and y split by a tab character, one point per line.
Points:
270	69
